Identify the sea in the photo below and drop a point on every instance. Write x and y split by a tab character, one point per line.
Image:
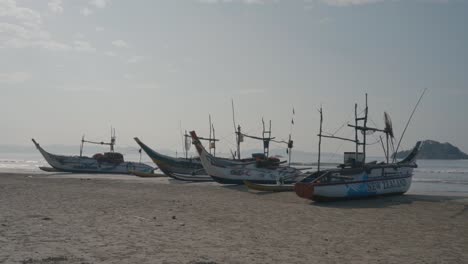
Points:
432	177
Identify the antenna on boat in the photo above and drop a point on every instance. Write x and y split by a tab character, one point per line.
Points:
407	124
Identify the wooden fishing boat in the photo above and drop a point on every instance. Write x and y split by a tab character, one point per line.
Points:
170	165
229	172
109	162
269	187
356	178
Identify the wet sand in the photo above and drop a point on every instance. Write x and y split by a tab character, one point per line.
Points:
62	219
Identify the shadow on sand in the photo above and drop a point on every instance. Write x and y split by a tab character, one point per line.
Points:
236	187
386	201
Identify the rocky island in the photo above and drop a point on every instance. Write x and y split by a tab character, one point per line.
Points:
431	149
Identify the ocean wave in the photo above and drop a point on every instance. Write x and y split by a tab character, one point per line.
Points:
449	181
443	171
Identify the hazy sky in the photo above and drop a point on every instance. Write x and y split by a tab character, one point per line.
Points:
70	67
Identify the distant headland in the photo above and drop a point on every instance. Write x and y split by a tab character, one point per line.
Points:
435	150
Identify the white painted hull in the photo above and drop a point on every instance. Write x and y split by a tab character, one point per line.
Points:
377	181
236	173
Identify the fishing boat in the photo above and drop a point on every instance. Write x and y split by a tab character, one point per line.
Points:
355	178
108	162
228	172
171	165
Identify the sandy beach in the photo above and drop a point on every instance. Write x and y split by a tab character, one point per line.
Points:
53	219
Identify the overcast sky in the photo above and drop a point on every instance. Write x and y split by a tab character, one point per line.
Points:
74	67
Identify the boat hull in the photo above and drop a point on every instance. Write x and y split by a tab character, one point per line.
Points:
89	165
229	172
360	186
170	165
236	174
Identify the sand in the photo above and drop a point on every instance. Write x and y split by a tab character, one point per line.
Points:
54	219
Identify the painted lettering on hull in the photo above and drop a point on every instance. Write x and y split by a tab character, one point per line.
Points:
384	185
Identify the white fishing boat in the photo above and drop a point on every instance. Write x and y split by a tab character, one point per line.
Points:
108	162
355	178
227	172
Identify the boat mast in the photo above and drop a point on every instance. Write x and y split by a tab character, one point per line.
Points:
290	147
112	142
364	130
364	134
388	153
266	136
81	146
214	141
356	132
320	139
186	136
237	131
209	140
